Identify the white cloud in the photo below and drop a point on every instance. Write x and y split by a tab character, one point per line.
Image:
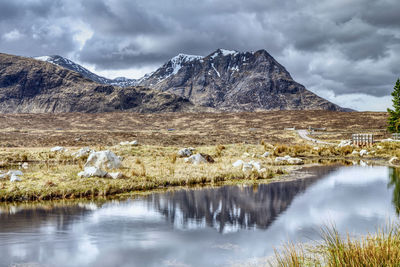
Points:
13	35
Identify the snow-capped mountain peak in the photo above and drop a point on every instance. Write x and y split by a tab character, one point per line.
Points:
69	64
223	52
177	61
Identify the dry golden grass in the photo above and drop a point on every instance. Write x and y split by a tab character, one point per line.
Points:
181	129
54	175
379	249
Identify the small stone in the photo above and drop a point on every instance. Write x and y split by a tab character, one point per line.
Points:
363	152
289	160
83	152
15	178
238	163
247	167
394	161
134	143
114	175
256	165
25	165
58	149
265	155
185	152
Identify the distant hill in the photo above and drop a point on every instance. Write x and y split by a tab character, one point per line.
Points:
33	86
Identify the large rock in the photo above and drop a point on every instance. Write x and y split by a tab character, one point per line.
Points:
104	160
129	143
196	159
289	160
248	166
13	175
394	161
238	163
363	152
92	172
185	152
58	149
83	152
344	143
265	155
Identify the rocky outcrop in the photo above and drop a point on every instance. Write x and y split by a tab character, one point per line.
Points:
233	81
32	86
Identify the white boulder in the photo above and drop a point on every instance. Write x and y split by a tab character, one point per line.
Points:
295	161
104	160
288	159
92	172
196	159
363	163
247	167
114	175
355	152
256	165
185	152
280	159
265	155
344	143
83	152
25	165
394	161
129	143
238	163
363	152
14	176
58	149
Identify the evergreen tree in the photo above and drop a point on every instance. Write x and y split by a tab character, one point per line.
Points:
394	114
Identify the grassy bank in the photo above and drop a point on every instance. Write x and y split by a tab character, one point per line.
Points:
379	249
52	175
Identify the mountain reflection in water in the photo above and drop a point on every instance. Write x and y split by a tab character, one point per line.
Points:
225	225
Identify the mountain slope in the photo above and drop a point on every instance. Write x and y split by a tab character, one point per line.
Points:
69	64
234	81
29	85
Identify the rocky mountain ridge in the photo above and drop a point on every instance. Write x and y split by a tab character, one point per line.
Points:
33	86
235	81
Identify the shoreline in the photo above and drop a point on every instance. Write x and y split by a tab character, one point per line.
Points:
294	172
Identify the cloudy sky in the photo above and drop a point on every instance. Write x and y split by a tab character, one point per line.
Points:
347	51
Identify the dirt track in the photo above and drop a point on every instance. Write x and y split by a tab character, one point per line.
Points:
77	129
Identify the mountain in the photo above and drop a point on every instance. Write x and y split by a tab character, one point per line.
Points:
235	81
29	85
68	64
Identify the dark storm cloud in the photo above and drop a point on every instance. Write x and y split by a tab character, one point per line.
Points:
343	46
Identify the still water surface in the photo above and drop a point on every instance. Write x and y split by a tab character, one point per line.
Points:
203	227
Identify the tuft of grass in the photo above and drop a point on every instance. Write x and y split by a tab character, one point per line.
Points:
218	150
379	249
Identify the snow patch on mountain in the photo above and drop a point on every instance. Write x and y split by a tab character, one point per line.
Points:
69	64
